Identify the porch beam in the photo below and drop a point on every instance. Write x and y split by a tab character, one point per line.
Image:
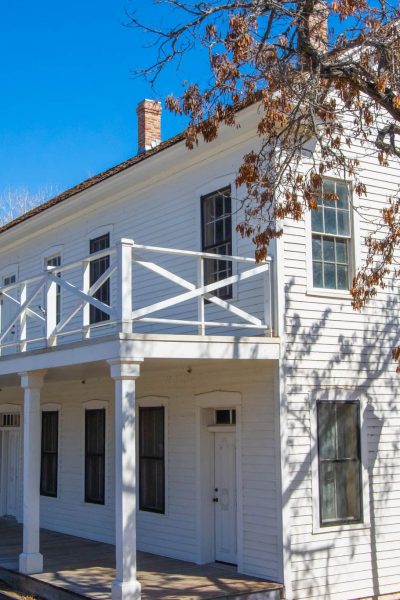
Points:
125	372
31	560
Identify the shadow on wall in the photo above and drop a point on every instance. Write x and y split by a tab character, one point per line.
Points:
354	363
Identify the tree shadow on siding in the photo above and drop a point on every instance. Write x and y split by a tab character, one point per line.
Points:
317	357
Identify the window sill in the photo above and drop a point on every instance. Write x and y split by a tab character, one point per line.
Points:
341	528
325	293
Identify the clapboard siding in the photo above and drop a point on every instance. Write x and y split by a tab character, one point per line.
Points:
328	345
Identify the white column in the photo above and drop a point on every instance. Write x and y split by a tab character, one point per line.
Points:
125	372
31	561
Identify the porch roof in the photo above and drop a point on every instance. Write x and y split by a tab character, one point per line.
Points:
141	347
87	568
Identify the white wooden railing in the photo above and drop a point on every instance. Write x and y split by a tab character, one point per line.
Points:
33	320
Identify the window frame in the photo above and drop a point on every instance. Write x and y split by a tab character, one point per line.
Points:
354	248
95	407
154	402
53	410
339	395
226	293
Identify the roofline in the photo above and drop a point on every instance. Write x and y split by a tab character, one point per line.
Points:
92	181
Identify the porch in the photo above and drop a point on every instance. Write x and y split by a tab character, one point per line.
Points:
87	568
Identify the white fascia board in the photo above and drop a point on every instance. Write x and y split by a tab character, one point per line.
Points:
141	346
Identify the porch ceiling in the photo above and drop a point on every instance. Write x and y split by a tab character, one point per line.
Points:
80	360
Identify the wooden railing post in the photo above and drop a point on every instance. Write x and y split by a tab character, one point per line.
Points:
51	310
268	300
22	319
86	306
201	329
124	285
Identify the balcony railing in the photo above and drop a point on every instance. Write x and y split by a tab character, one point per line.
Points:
31	315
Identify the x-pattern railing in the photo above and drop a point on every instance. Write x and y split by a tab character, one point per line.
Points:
23	296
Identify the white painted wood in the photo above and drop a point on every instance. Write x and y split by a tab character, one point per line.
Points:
31	561
124	285
125	373
10	443
225	504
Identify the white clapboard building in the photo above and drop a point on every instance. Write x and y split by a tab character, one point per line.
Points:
204	409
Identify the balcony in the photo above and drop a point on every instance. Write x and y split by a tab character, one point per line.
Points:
148	290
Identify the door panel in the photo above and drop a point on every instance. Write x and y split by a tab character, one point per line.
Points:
10	471
225	497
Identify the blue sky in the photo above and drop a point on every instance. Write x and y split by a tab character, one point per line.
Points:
68	94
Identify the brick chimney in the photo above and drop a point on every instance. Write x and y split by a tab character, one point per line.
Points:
149	124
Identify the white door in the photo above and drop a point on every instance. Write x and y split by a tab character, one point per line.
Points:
225	497
10	470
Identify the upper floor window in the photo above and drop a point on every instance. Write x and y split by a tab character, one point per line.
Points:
339	462
331	238
55	261
216	217
97	268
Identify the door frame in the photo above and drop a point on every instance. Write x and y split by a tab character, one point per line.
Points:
12	409
206	404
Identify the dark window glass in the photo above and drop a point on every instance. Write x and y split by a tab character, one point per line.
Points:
55	261
217	237
95	434
339	459
225	416
331	238
49	458
97	268
151	459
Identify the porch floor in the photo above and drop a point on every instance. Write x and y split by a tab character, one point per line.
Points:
88	568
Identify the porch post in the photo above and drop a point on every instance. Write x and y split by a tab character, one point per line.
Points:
31	561
125	372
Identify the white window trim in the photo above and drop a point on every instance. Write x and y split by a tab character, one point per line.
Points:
154	402
54	407
51	253
354	242
339	395
95	405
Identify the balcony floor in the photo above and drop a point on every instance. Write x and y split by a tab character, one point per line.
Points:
86	568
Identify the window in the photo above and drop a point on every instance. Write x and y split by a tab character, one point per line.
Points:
339	462
55	261
216	217
95	446
10	420
49	457
331	237
9	280
225	416
151	459
97	268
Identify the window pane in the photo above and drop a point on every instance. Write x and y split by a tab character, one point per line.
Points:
342	278
343	195
151	459
330	220
329	276
348	491
316	220
347	430
95	421
49	454
341	251
328	495
326	430
316	248
328	188
97	268
329	249
317	275
343	222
